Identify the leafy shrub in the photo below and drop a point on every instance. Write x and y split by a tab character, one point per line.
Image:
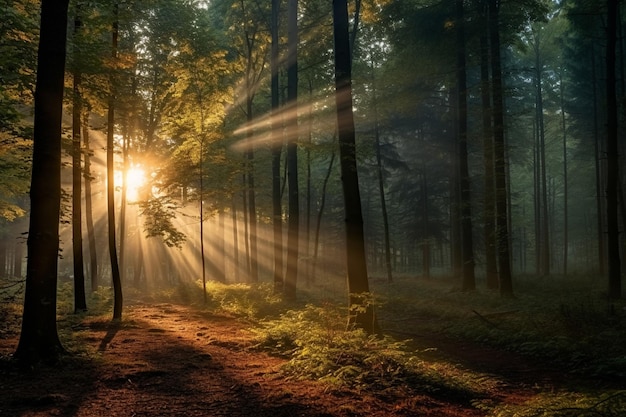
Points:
250	301
321	347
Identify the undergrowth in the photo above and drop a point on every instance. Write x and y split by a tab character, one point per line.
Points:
608	404
319	346
567	323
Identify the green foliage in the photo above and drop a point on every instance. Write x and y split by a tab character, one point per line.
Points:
608	404
320	346
249	301
158	212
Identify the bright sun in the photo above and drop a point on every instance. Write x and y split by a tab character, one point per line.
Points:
136	178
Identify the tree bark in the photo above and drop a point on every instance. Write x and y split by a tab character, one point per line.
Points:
91	236
291	275
277	145
39	340
565	174
502	228
358	285
612	152
80	303
467	243
489	231
115	270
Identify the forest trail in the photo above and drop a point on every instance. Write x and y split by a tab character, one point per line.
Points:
170	360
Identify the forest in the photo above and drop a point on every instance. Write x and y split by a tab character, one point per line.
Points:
312	207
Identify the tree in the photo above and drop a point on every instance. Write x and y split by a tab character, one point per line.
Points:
115	269
358	284
292	152
80	304
489	227
277	218
612	152
39	340
502	220
467	245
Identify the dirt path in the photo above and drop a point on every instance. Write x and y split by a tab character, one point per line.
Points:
169	360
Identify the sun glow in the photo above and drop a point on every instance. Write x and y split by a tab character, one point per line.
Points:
135	179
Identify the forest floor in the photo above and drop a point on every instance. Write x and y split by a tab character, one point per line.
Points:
170	360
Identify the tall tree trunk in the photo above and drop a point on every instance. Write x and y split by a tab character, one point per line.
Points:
246	224
201	210
598	169
123	202
115	270
565	183
489	228
318	225
17	260
91	235
358	285
277	145
502	227
469	279
309	188
291	275
612	152
425	245
381	180
80	303
235	240
39	340
543	186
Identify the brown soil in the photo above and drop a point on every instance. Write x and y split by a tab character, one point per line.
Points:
169	360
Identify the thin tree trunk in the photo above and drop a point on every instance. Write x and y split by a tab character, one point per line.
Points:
598	170
235	240
277	145
425	229
115	271
201	209
469	279
358	285
491	267
291	275
246	225
91	236
318	225
565	183
80	303
543	186
123	203
612	152
17	260
381	180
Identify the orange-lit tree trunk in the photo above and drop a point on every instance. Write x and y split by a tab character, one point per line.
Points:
362	310
39	340
91	236
115	270
80	303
